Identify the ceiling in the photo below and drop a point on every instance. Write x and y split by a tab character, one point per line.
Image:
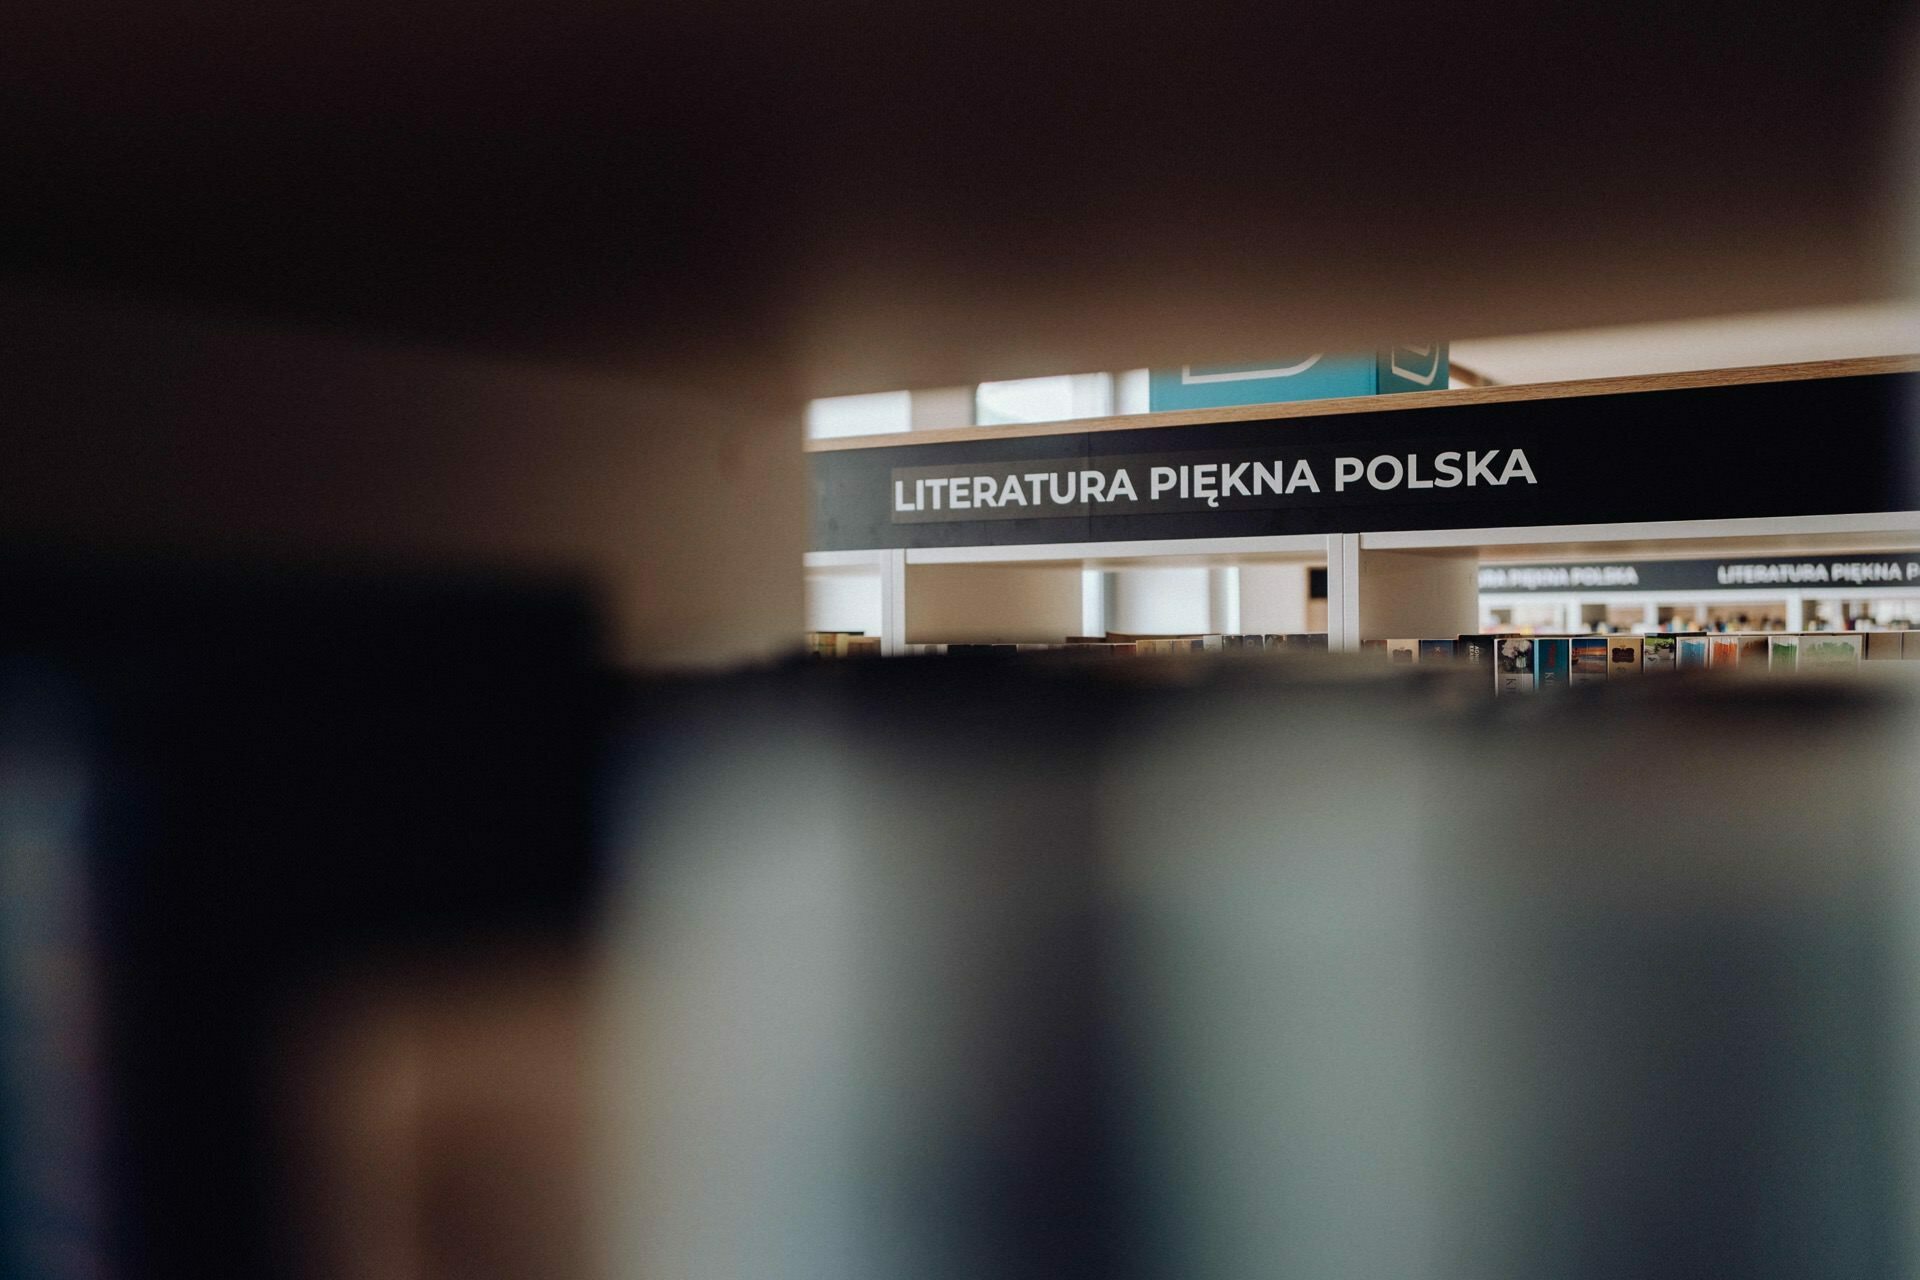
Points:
868	196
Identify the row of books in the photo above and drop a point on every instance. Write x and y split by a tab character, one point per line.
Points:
1118	644
841	644
1520	664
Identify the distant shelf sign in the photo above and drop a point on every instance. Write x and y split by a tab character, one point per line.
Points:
1882	569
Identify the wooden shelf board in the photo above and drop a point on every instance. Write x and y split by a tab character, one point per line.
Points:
1402	401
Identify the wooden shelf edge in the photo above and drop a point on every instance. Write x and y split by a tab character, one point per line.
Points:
1804	371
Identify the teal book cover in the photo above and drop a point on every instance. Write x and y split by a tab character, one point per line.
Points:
1552	662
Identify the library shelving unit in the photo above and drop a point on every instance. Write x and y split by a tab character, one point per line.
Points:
1821	464
1043	592
1795	606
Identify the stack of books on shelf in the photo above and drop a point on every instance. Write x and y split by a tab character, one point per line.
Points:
841	644
1116	644
1523	664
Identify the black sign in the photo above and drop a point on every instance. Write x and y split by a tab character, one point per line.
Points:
1821	446
1135	484
1792	573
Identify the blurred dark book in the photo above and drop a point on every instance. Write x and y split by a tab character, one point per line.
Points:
1477	651
289	769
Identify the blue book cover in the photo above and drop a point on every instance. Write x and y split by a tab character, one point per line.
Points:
1692	652
1436	651
1552	659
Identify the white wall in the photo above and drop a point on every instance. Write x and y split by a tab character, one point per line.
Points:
1171	601
1273	599
843	600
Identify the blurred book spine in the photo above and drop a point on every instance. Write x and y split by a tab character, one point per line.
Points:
53	1093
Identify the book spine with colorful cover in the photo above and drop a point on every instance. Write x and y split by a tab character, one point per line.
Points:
1829	650
1436	651
1552	662
1659	654
1783	653
1399	651
1690	652
1513	665
1723	651
1623	656
1589	660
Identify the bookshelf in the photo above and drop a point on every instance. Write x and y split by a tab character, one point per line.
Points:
855	591
1381	583
1045	592
1376	605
